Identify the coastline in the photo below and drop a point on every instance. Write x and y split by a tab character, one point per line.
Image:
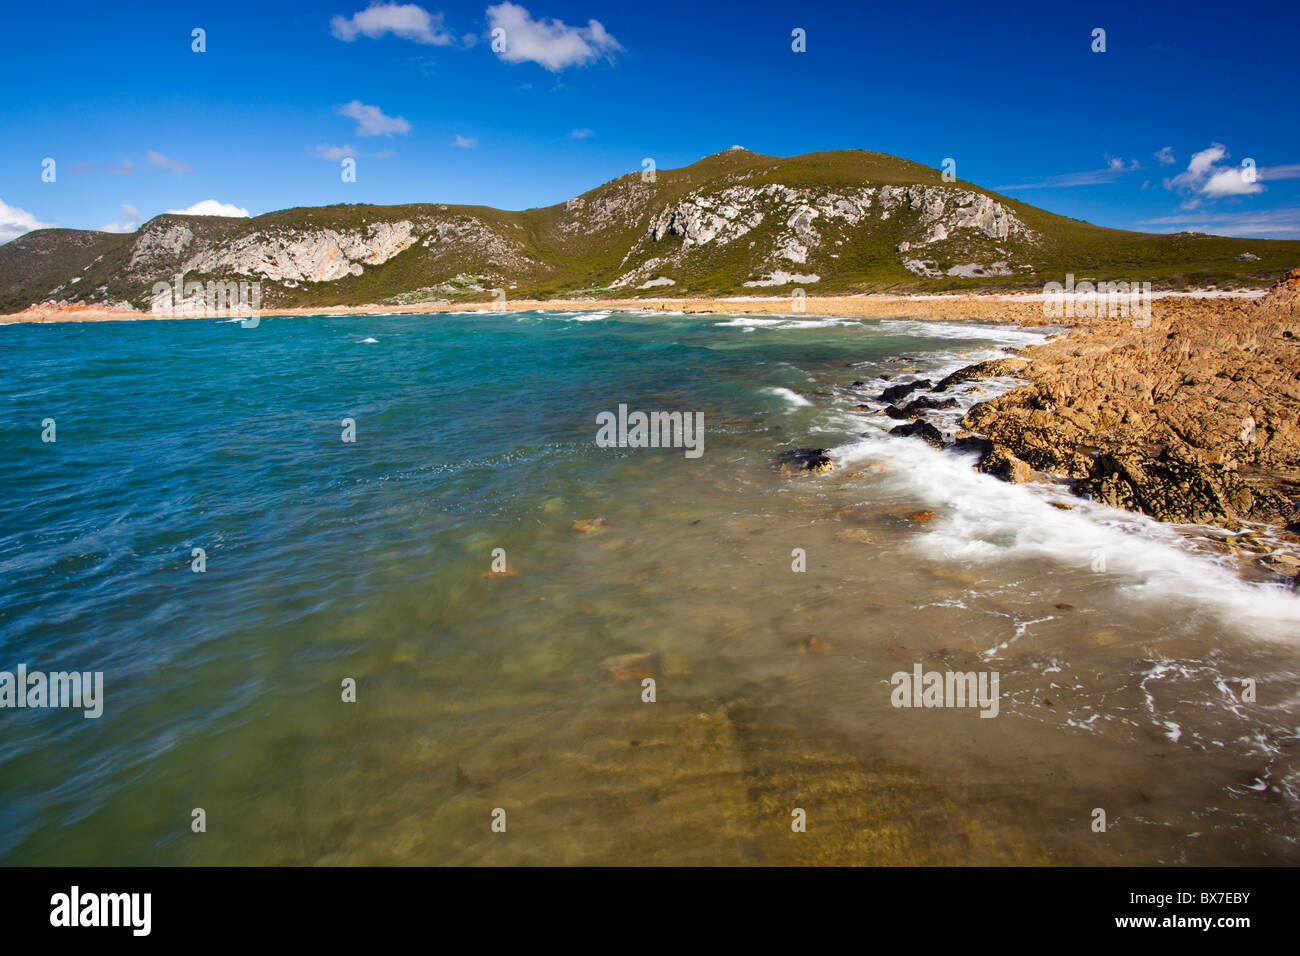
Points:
1191	417
621	565
1133	413
1023	308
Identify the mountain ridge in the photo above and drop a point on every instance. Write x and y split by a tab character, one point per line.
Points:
832	222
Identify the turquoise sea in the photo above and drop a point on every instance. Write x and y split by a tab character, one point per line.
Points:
478	689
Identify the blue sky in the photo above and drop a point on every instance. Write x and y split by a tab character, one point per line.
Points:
1149	134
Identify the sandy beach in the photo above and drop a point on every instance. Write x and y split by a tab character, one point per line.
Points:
1021	308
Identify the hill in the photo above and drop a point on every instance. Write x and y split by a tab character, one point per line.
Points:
736	222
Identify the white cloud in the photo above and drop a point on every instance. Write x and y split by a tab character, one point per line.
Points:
1206	158
1165	156
156	158
583	133
1230	182
130	221
405	20
14	222
550	43
371	120
1272	173
333	153
210	207
464	142
1205	177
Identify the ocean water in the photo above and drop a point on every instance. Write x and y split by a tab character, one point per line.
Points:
1124	649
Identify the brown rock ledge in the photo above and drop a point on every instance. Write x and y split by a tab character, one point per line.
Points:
1193	418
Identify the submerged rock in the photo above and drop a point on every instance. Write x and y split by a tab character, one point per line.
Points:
813	644
894	392
966	442
804	461
918	429
631	666
917	406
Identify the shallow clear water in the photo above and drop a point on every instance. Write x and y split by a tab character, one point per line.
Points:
1120	644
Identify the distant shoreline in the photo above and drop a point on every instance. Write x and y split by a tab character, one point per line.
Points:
1108	404
1024	308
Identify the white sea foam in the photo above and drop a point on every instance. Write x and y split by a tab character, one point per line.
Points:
784	323
985	520
750	321
1005	335
793	398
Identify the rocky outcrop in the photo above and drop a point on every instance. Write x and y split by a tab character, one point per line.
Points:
946	209
167	243
308	255
1193	418
613	207
787	225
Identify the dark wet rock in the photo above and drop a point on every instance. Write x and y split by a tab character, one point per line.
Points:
919	406
894	392
926	402
919	429
804	461
1000	463
972	443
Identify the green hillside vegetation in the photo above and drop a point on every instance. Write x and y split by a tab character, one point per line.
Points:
561	250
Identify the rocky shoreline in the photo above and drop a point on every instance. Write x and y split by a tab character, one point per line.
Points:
1190	417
